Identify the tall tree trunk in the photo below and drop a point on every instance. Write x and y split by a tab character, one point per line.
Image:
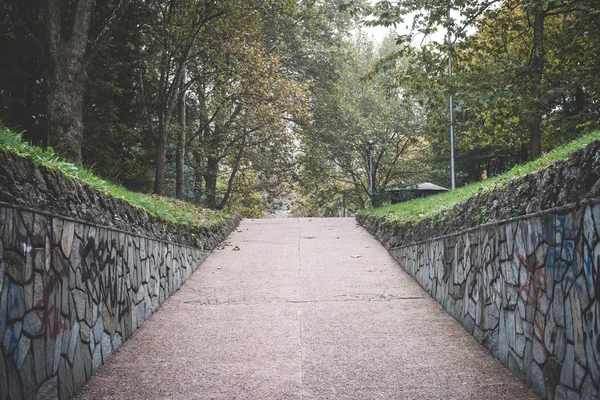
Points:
169	101
66	90
160	160
537	71
66	83
71	50
210	179
234	170
212	161
180	157
199	177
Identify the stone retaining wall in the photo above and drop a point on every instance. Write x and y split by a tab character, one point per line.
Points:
528	289
72	292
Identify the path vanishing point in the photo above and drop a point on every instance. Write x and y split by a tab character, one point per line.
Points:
305	309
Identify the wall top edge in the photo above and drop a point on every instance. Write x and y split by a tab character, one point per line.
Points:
79	221
555	210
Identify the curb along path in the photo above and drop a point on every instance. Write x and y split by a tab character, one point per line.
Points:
305	309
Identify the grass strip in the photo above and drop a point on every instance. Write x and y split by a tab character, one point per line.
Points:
419	209
165	208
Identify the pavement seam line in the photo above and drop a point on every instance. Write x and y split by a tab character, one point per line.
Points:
299	314
275	301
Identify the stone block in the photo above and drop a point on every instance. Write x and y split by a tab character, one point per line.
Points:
589	390
106	347
552	370
568	368
536	380
57	226
67	237
73	341
3	381
14	266
49	390
38	350
65	379
96	358
14	381
561	393
32	323
593	363
27	374
82	366
12	334
572	395
539	352
577	326
80	300
40	230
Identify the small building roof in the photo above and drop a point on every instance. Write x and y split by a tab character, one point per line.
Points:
426	186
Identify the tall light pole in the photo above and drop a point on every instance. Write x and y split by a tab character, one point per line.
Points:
370	145
450	104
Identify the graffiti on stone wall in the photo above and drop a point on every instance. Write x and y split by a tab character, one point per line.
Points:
529	290
70	294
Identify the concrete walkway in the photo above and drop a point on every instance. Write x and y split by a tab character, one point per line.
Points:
305	309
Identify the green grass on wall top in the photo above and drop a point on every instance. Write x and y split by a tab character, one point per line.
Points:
419	209
165	208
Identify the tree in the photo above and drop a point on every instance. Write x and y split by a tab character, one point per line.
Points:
70	49
531	25
347	115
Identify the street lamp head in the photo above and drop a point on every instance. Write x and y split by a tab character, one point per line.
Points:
370	144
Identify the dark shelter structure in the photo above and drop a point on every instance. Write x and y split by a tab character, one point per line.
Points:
421	190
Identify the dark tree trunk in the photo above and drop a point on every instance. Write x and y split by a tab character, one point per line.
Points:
180	157
71	51
234	171
210	179
199	177
170	102
66	90
537	71
67	76
160	160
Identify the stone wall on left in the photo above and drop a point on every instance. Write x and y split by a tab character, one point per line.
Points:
72	292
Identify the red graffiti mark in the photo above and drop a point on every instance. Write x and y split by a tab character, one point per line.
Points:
52	324
49	306
538	326
532	289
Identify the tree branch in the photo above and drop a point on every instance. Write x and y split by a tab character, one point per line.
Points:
107	31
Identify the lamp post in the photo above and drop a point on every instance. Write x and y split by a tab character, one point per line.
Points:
370	145
450	105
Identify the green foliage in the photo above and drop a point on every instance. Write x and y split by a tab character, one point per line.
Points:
358	105
167	209
419	209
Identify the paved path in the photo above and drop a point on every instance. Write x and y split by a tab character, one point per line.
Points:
306	309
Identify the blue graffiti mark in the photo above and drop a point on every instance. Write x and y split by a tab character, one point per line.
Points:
568	319
572	273
15	301
588	270
11	337
558	230
561	260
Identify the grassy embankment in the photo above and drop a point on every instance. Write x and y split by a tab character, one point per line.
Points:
167	209
419	209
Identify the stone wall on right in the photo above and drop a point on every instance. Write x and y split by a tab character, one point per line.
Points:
528	289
